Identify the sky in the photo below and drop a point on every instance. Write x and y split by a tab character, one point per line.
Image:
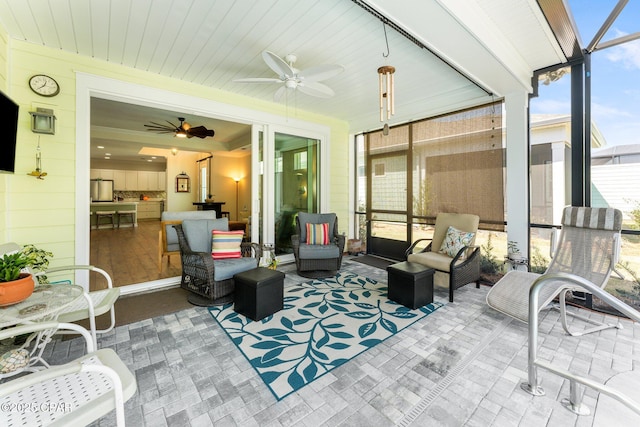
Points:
615	74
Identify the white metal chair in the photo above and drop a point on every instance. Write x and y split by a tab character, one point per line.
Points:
73	394
95	303
588	248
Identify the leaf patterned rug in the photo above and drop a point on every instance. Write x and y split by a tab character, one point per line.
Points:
324	323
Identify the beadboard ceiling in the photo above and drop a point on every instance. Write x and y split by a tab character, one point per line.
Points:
493	46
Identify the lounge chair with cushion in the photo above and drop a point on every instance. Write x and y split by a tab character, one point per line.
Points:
587	248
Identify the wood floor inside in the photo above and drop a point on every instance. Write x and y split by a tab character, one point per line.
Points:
130	255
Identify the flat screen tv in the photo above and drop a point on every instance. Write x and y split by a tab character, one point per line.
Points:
8	131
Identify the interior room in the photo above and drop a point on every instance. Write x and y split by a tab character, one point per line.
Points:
340	212
128	149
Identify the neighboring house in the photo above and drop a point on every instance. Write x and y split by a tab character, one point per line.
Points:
615	175
550	138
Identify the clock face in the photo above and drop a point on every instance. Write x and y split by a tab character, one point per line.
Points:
44	85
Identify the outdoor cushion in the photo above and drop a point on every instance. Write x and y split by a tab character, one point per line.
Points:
226	268
318	234
198	232
226	244
318	251
435	260
313	218
454	241
172	237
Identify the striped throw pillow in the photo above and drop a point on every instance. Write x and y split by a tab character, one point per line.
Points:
226	244
318	234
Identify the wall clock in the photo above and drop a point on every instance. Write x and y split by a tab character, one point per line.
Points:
44	85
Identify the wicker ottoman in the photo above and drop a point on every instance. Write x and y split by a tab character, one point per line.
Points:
259	292
410	284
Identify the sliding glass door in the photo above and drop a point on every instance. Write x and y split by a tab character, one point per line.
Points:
288	183
295	185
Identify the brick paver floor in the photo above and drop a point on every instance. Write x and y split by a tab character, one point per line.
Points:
460	366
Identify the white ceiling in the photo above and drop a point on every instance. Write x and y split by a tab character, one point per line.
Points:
497	43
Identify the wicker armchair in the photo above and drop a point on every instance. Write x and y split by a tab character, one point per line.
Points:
210	281
460	269
316	261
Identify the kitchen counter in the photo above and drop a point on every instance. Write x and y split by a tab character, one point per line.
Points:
118	204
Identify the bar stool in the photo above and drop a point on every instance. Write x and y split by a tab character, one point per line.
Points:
105	214
131	214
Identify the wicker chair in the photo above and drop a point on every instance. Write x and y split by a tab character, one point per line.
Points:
210	281
460	269
316	261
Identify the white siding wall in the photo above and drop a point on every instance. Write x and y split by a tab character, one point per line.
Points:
618	185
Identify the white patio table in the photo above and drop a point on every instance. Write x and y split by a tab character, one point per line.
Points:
46	302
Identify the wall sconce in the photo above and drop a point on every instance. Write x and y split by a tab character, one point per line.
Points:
385	82
174	151
43	121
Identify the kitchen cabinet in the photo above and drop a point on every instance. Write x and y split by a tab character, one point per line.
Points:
143	181
101	174
152	181
162	181
148	210
131	181
127	180
147	181
119	180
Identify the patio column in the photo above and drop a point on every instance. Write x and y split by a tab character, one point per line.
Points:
517	173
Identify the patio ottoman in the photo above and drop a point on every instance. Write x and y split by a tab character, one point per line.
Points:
259	292
410	284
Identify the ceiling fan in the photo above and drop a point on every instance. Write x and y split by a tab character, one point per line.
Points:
306	81
183	131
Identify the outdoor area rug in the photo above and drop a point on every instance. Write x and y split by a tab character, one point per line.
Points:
324	323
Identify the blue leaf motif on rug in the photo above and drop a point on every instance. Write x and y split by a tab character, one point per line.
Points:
324	323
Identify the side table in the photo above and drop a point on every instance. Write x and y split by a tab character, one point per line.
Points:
258	292
410	284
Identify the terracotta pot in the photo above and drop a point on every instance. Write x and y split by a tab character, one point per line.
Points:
17	290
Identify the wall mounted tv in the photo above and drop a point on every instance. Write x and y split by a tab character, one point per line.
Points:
9	129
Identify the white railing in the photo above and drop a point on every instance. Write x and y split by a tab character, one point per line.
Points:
574	403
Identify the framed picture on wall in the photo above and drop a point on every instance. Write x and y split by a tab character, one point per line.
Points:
182	183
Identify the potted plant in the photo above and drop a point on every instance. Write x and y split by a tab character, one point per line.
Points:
15	286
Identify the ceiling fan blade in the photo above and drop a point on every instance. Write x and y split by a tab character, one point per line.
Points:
161	130
277	64
279	93
160	126
321	72
258	80
316	89
200	132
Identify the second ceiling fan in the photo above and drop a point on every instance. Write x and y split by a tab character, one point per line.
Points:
184	130
306	81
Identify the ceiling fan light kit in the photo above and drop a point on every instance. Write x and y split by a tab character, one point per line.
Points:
306	81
